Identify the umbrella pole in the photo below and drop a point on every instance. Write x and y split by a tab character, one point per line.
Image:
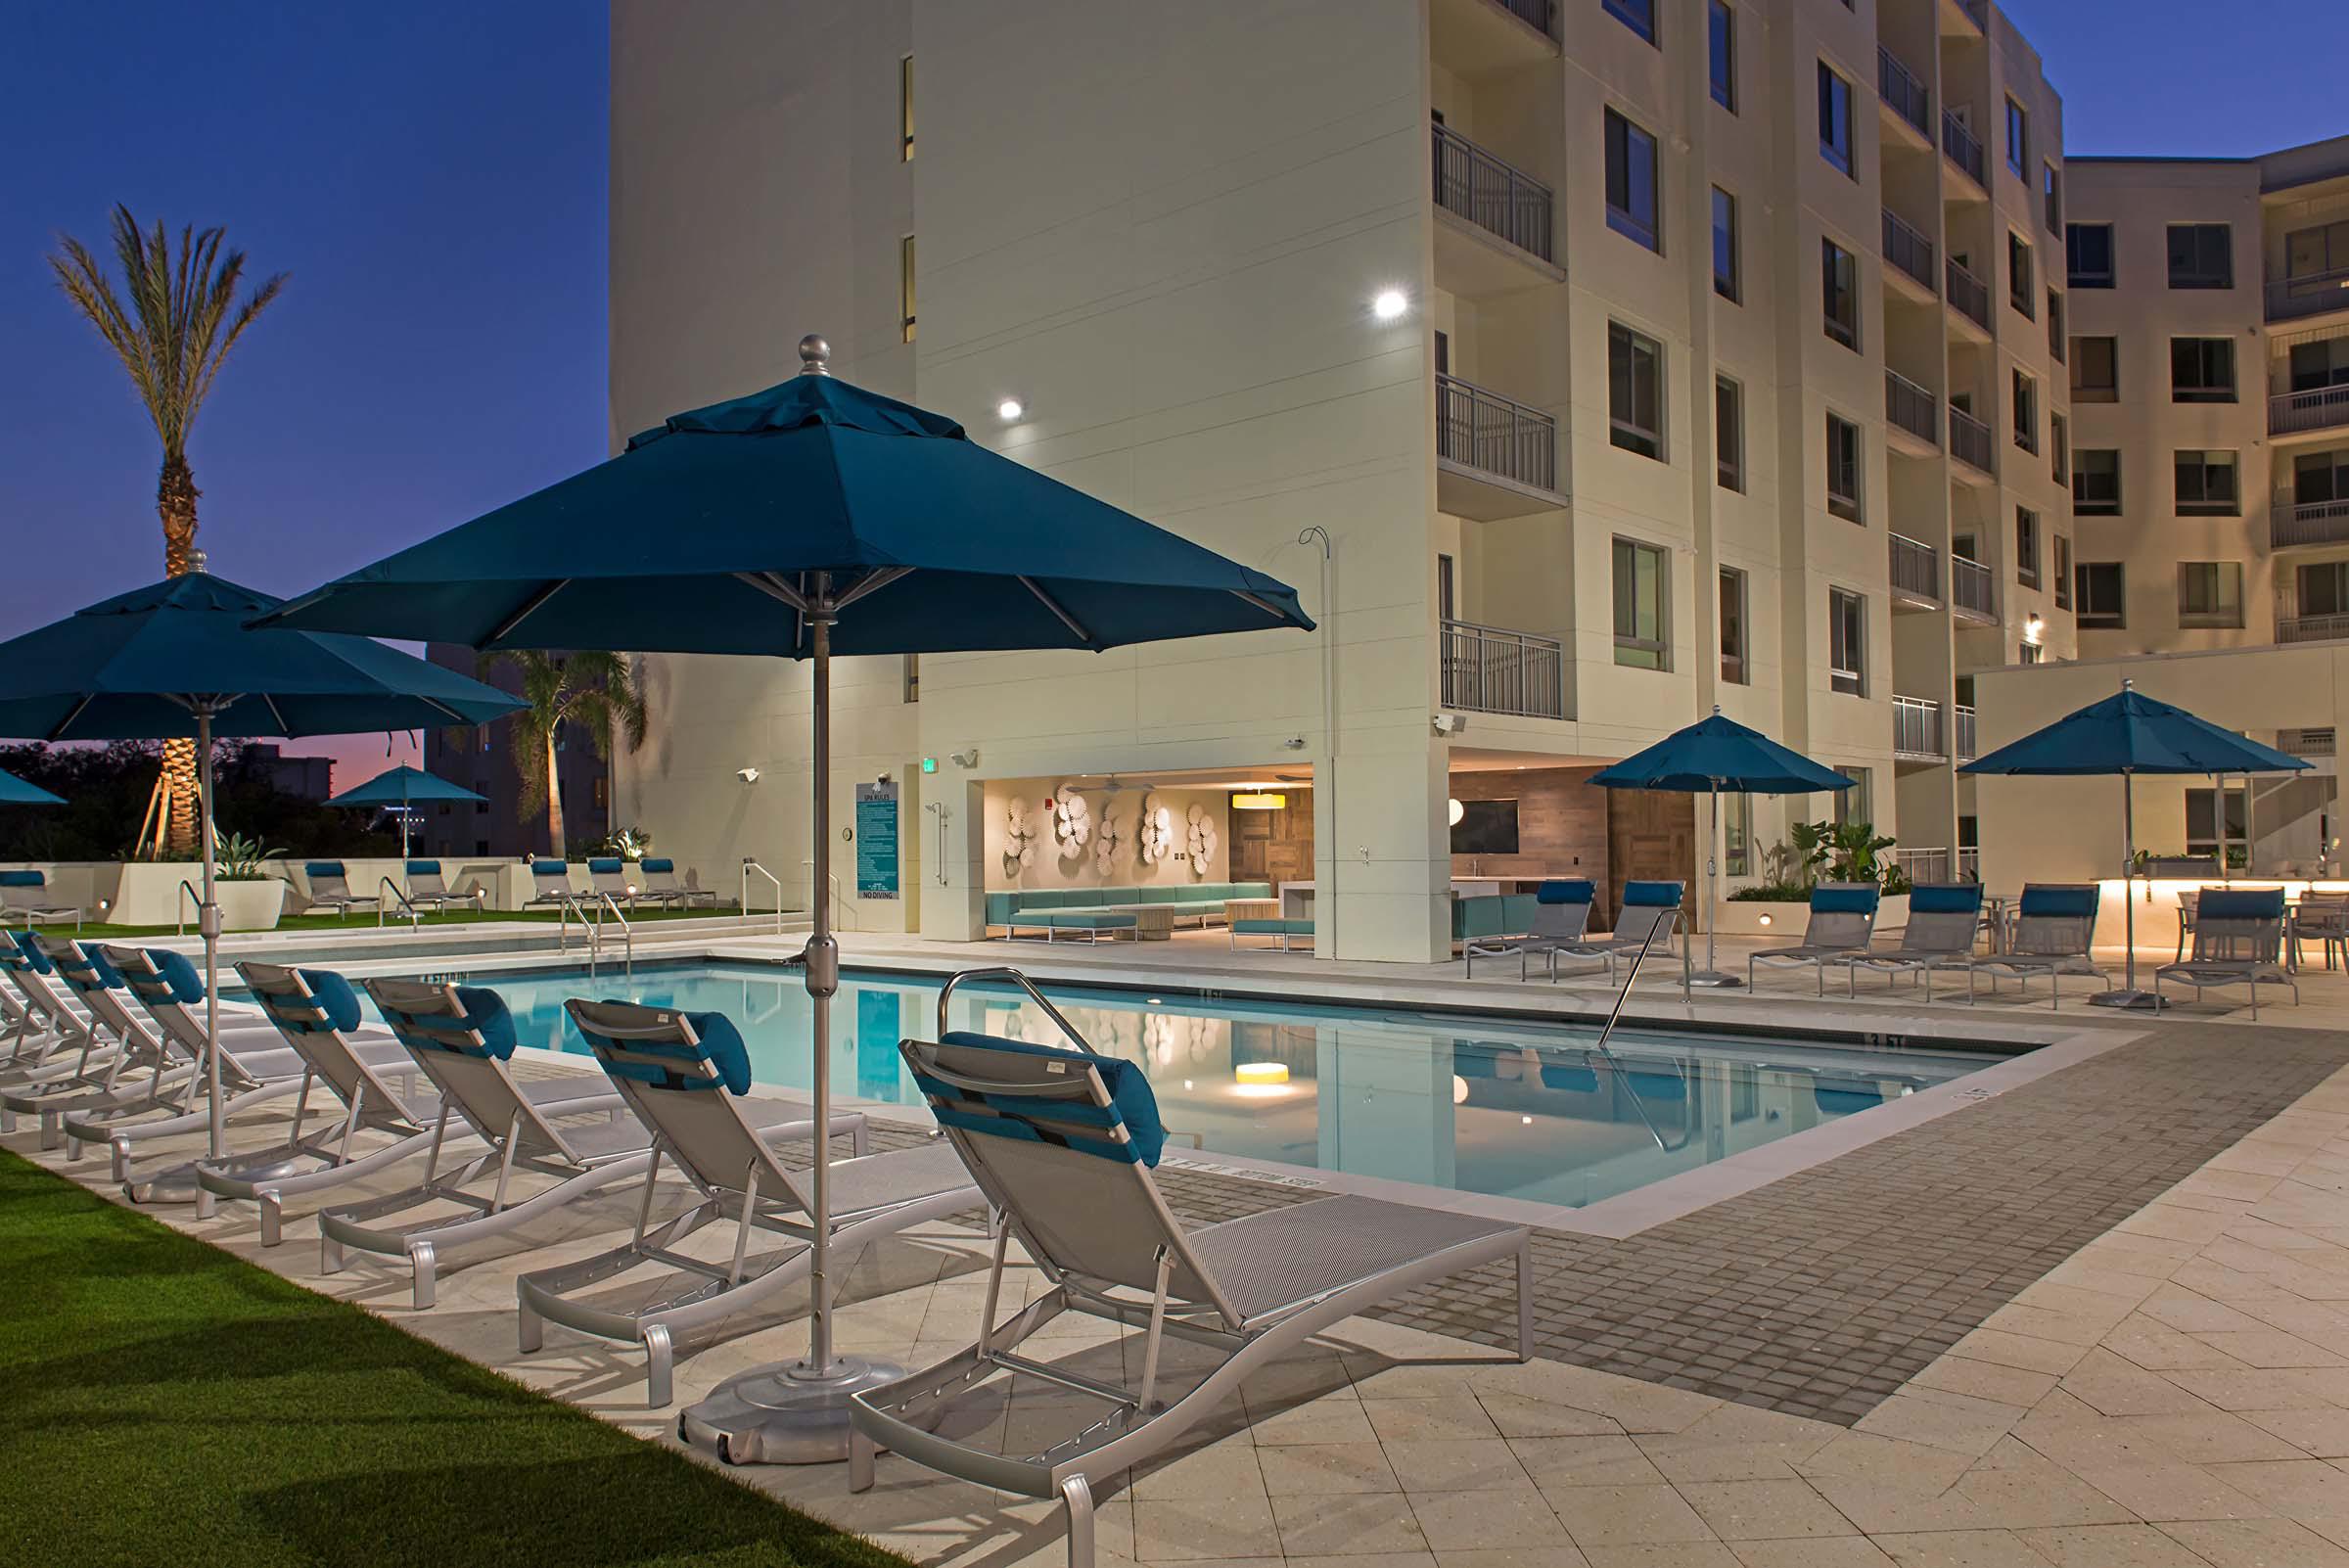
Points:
2128	996
1710	974
207	925
797	1412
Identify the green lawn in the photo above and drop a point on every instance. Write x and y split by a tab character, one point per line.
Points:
168	1404
359	923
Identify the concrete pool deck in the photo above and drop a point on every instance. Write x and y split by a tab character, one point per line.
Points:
2099	1318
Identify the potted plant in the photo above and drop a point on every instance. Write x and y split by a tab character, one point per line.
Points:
250	899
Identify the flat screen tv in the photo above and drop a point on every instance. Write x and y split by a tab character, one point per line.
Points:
1485	827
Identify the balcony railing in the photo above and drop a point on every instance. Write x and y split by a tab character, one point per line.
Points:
2316	408
1963	148
1964	727
1915	570
1539	14
1494	196
2309	741
1903	94
2292	523
1489	670
1970	442
1969	293
1973	590
1969	864
1911	408
2309	295
2311	629
1907	247
1923	865
1917	728
1485	431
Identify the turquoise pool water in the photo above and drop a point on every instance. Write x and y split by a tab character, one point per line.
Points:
1499	1106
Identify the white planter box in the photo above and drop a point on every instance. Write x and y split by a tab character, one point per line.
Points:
249	905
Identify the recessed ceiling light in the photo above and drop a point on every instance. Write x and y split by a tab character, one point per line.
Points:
1009	409
1390	305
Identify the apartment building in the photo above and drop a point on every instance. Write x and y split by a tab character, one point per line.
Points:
2210	376
1585	363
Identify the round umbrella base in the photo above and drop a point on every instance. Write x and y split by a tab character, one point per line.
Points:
786	1413
2143	1001
1716	979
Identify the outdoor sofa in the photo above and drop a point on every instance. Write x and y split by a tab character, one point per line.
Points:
1114	910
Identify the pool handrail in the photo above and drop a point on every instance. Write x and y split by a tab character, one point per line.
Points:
415	920
1007	972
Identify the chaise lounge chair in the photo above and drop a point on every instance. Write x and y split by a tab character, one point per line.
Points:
661	887
46	1034
462	1038
318	1014
1943	917
330	888
1843	920
24	895
1649	916
608	875
2239	941
77	1060
429	890
550	884
687	1076
2055	925
1062	1142
1561	915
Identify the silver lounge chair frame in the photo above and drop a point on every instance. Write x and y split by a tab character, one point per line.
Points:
1048	1143
1560	923
2238	942
30	903
96	1061
1830	935
457	1036
2042	943
331	890
1640	930
47	1038
661	887
656	1060
1933	938
550	890
429	890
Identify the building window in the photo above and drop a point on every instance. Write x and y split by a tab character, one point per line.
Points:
1737	861
601	793
906	109
2088	254
2102	605
2317	252
1839	293
1728	434
2096	370
1847	642
1725	244
2026	412
2202	836
1446	593
2320	478
1642	605
2026	547
2201	256
2203	370
2060	447
1732	627
1843	467
2050	194
2320	364
1632	185
2018	138
2096	481
2322	589
1636	391
2055	338
912	681
2061	570
2021	291
906	287
2210	593
1638	15
1722	24
2207	484
1857	804
2031	653
1835	119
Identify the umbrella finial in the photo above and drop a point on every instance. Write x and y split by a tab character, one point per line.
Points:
196	560
813	352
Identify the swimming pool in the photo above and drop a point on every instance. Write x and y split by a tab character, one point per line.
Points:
1506	1107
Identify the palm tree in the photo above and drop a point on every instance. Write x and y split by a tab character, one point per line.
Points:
182	319
598	692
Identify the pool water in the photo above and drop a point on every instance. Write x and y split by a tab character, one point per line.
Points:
1499	1106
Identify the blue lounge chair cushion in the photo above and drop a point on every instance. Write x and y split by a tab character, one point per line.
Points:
1658	1086
26	953
424	868
324	868
717	1042
604	865
2240	904
549	868
91	973
1132	1101
660	868
1945	898
23	879
1574	1080
178	976
2058	901
335	996
1653	894
1845	901
1571	891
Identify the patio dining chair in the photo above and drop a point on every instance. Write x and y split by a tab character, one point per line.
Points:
2324	916
2188	898
2239	941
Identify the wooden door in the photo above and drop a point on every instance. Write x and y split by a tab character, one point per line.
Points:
1651	836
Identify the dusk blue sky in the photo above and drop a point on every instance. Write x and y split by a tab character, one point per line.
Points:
433	175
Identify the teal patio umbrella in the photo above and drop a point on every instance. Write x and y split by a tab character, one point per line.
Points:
399	789
14	791
175	660
809	520
2130	733
1716	757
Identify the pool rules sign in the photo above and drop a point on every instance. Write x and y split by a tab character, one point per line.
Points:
877	838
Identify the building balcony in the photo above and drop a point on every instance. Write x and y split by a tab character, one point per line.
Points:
1487	670
1976	12
2308	741
1969	864
2316	408
2312	293
2295	525
1494	223
2311	628
1965	152
1915	574
1973	591
1968	750
1917	730
1912	416
1969	296
1908	106
1910	255
1922	865
1494	457
1477	37
1971	445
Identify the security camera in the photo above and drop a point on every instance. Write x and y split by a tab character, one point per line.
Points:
969	759
1450	724
749	775
1295	743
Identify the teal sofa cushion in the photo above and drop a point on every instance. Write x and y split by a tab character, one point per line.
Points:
1000	907
1085	920
1274	927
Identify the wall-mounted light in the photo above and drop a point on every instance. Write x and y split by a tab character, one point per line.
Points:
1454	811
1766	920
1267	800
1389	305
749	775
2032	626
1009	409
1460	1090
